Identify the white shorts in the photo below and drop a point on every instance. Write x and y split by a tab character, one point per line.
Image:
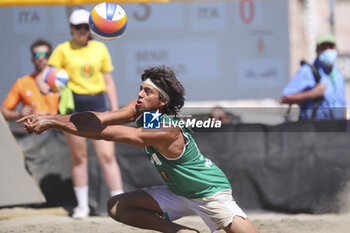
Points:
217	211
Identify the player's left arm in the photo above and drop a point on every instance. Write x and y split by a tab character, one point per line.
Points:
168	141
86	124
138	136
122	116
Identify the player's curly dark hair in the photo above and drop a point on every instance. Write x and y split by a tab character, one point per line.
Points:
164	78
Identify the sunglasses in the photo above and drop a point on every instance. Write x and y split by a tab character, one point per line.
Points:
79	26
44	55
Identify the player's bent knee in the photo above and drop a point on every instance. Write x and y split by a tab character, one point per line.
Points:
116	206
112	207
241	225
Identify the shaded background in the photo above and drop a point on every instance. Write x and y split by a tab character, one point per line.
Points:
225	48
269	167
220	50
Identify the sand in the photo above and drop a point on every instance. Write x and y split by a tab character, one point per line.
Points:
57	220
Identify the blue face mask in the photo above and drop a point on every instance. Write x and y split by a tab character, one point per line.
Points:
328	57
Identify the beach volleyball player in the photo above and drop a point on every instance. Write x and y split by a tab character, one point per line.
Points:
194	184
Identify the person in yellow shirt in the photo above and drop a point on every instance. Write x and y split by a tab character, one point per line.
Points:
89	66
26	91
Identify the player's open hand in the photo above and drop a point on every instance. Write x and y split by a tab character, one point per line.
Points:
35	123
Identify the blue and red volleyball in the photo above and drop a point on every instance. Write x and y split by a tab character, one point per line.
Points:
107	21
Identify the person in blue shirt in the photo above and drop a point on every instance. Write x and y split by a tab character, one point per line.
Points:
303	89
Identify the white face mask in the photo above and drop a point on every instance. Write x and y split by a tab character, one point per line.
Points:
328	57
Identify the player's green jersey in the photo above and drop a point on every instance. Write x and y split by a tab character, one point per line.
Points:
191	175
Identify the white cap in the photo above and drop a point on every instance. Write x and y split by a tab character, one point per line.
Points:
80	16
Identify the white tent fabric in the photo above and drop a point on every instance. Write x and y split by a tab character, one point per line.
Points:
17	186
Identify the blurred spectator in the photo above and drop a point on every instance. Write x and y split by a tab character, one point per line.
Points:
26	91
89	66
323	99
225	117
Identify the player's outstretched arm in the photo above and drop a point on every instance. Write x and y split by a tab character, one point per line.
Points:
86	124
123	116
93	122
168	141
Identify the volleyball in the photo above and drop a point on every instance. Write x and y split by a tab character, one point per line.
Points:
57	78
107	21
